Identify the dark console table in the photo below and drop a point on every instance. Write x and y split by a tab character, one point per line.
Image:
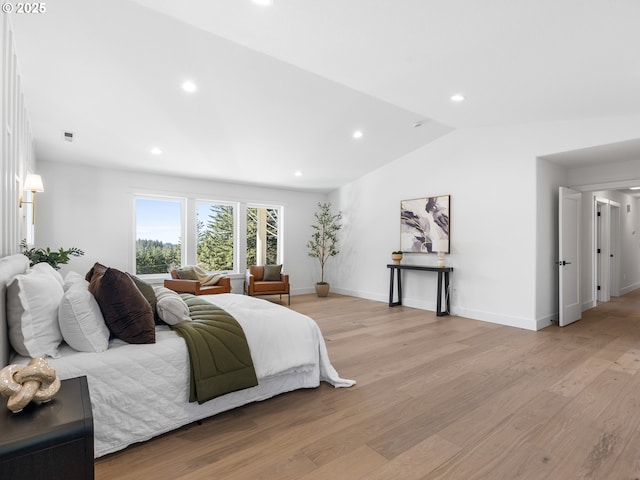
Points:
53	440
443	284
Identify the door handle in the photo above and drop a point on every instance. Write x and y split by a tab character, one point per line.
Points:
563	263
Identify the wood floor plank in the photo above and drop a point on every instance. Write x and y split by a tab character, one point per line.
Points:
437	397
481	460
356	464
578	378
416	462
574	456
628	362
627	464
445	407
478	423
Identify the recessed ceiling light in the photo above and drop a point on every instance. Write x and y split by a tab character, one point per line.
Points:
156	151
263	3
634	188
457	97
189	86
298	173
358	134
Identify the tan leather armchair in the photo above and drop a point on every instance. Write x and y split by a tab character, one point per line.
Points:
194	287
254	283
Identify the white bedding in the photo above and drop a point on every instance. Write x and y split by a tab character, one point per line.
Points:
141	391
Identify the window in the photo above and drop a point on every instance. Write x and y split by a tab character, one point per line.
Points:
263	227
172	231
158	234
215	225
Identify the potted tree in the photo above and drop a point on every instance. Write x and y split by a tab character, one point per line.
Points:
324	241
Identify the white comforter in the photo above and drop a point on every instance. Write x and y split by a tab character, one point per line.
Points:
140	391
280	339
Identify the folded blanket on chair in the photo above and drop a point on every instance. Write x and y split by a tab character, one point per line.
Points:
194	272
220	360
207	278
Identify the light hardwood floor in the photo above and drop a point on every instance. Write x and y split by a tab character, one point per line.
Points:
437	398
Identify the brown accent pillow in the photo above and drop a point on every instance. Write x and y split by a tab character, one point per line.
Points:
97	267
272	273
126	312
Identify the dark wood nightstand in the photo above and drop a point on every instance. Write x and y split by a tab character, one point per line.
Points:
52	441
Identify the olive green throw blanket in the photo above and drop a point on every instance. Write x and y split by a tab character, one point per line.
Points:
218	351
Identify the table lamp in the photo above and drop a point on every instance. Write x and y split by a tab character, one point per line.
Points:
442	245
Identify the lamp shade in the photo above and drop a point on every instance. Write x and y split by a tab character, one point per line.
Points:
33	183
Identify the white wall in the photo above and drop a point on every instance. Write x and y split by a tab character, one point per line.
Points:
605	172
16	146
92	209
549	178
501	219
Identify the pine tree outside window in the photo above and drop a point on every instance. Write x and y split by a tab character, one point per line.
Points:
215	243
263	235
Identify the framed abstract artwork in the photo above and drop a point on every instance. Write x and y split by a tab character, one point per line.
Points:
424	224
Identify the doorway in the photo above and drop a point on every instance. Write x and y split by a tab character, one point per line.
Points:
606	259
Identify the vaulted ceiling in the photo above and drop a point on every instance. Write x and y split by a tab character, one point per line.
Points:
281	89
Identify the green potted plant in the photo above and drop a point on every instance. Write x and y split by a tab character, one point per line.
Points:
396	257
323	243
53	257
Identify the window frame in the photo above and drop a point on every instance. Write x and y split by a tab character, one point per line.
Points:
188	230
280	209
236	231
184	248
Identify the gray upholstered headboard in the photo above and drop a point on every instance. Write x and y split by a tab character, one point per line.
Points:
9	267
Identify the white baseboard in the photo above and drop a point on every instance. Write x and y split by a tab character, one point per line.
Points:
302	291
359	294
491	317
546	321
629	288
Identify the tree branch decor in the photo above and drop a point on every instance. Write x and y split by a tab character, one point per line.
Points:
52	257
323	243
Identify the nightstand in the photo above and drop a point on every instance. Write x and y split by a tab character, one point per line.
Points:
52	441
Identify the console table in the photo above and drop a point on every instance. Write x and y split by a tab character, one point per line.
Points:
443	281
52	440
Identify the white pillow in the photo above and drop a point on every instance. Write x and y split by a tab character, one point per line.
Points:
32	314
71	278
45	268
171	308
81	321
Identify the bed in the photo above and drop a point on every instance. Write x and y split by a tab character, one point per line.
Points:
141	391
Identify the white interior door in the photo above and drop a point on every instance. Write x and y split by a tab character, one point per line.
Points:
614	250
602	237
569	210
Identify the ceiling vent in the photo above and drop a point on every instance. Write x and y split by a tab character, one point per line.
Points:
68	136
